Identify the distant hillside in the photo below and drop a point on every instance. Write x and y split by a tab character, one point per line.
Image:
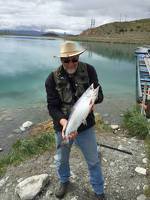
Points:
21	32
118	28
137	31
50	34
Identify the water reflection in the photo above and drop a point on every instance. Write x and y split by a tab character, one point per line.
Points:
111	50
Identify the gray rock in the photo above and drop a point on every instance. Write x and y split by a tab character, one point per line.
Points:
17	131
27	124
73	175
48	193
112	164
106	115
8	119
121	147
6	190
52	166
104	159
114	126
22	128
140	170
141	197
19	180
3	181
1	149
10	136
74	198
31	186
143	154
145	160
138	187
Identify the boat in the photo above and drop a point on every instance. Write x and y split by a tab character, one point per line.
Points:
143	75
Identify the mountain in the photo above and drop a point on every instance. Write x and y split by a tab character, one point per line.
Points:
20	32
117	28
137	31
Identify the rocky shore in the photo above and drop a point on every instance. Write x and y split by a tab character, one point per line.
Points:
126	176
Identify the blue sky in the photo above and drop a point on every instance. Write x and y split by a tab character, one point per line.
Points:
72	16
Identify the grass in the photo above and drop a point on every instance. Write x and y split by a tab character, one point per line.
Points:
100	124
147	191
135	123
26	148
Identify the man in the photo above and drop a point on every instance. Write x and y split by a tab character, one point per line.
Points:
64	87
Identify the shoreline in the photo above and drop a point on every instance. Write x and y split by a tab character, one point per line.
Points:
116	40
12	119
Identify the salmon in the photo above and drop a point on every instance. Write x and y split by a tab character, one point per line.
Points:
81	110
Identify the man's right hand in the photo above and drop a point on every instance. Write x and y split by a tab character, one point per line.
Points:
72	135
63	122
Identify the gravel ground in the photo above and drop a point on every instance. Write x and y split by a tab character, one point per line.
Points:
121	180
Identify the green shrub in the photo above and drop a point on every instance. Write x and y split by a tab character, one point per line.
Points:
135	123
26	148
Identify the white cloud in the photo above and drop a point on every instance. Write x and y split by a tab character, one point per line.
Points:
69	15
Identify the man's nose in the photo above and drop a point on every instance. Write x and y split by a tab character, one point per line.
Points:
70	64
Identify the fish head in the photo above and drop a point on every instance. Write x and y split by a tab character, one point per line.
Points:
95	93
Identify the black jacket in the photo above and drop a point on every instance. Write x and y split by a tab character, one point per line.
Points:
54	101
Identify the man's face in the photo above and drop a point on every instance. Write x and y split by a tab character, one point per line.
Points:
70	64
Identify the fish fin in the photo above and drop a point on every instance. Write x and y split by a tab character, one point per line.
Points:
92	86
91	102
84	122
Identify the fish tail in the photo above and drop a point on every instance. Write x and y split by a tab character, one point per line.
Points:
64	143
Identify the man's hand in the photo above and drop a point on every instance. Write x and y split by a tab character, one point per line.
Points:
63	122
72	135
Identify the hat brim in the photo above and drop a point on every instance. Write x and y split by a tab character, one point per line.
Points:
76	53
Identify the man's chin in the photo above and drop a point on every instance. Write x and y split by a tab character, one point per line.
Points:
70	71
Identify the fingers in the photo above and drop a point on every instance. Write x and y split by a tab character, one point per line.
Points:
72	135
64	128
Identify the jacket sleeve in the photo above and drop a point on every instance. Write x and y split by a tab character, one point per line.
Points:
94	79
53	100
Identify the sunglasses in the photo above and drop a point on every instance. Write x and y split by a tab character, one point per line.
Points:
68	60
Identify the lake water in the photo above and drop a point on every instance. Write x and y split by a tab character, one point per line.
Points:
26	62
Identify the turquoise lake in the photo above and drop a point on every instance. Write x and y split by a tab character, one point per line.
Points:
26	62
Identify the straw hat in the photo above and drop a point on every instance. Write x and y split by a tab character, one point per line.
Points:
69	49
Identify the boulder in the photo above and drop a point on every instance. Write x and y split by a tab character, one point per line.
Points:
30	187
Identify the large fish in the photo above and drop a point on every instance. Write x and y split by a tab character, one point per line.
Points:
81	109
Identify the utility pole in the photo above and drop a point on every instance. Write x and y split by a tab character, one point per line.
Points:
92	23
120	17
125	18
